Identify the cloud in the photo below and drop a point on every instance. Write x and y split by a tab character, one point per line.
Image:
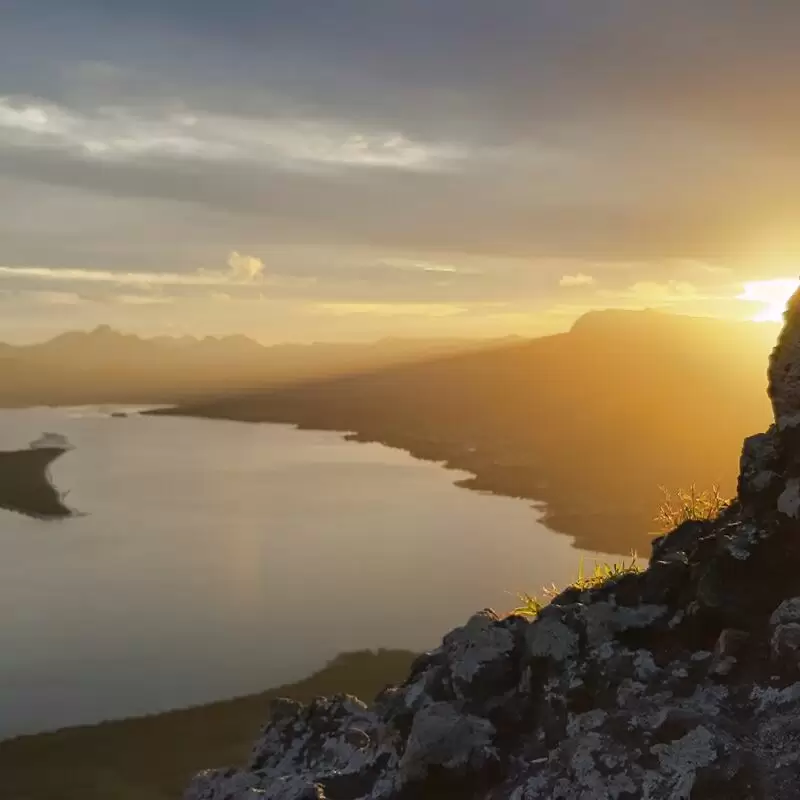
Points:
418	265
241	270
244	268
383	133
56	298
666	292
144	279
120	133
576	280
390	309
141	299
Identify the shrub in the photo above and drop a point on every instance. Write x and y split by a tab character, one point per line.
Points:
683	505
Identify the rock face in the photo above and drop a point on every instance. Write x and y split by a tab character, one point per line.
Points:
784	368
680	682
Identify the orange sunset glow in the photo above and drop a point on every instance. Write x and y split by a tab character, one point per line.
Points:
325	325
772	294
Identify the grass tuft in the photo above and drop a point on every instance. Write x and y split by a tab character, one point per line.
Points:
684	505
531	605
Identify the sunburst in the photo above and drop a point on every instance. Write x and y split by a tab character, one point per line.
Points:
772	294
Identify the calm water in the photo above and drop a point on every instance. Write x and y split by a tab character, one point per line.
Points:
221	558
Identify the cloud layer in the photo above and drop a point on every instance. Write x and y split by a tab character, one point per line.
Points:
540	154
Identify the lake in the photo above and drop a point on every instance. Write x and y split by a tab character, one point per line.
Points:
214	559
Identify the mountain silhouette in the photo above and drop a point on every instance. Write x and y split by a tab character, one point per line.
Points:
107	366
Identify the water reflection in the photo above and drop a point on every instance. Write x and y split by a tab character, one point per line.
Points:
221	558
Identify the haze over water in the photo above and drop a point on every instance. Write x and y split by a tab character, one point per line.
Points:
218	558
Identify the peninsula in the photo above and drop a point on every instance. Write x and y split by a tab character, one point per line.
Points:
25	485
589	423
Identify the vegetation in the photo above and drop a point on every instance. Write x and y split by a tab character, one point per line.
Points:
683	505
679	506
530	605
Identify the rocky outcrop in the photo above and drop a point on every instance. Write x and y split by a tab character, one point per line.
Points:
784	368
680	682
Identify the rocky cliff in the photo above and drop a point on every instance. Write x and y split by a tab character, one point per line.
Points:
679	682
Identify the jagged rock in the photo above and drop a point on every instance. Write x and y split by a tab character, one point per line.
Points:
785	625
728	646
759	467
785	642
679	682
730	643
679	542
443	738
553	639
789	499
217	784
784	369
787	611
479	652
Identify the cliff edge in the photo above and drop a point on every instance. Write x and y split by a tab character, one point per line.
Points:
680	682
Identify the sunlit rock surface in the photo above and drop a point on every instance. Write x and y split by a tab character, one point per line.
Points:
679	682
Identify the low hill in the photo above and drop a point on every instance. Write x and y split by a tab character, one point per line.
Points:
591	421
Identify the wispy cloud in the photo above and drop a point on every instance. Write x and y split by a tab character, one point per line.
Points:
576	280
242	270
119	133
418	265
142	299
662	293
45	298
390	309
77	275
57	298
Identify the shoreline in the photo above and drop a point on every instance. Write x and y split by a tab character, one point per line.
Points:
25	484
615	529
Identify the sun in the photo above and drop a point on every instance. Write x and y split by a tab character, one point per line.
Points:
773	295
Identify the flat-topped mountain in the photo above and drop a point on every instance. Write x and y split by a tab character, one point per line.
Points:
591	421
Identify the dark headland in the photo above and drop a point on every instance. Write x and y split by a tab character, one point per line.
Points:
25	485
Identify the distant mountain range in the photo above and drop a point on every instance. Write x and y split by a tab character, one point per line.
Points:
107	366
591	421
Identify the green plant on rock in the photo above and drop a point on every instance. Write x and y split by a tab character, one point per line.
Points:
683	505
531	605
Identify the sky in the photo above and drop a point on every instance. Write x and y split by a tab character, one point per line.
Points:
331	169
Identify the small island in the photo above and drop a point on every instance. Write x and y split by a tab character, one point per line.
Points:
25	485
